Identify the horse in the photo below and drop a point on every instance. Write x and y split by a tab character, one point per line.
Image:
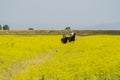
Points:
66	39
72	37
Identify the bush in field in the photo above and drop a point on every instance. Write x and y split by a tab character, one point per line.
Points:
30	29
0	27
5	27
67	28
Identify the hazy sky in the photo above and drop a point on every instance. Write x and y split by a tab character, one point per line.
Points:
57	14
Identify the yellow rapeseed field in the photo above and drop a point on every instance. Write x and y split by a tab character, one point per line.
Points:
44	57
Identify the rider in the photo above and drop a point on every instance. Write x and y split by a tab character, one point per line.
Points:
64	35
71	34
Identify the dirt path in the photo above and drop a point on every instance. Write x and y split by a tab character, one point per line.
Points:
18	67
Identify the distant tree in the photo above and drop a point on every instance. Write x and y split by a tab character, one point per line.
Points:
0	27
30	29
5	27
67	28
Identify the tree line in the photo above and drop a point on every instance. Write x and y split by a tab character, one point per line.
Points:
4	27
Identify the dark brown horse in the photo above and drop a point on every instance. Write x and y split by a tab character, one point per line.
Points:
64	39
